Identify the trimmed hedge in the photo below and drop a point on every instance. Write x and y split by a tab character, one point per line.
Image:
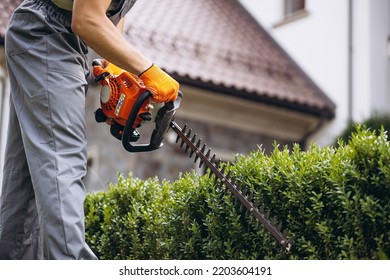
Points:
335	202
375	123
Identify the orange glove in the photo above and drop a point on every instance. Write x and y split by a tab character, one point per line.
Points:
162	86
106	66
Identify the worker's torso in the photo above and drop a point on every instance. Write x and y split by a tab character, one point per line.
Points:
116	10
68	4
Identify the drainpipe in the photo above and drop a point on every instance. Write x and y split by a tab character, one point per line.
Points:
350	61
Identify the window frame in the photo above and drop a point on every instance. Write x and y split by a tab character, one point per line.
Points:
292	14
292	7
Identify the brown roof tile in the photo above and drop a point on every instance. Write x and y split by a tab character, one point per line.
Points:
6	9
218	45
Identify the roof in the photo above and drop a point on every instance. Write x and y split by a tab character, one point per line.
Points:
6	9
219	46
216	45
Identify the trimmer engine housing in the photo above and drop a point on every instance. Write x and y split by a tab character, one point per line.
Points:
125	105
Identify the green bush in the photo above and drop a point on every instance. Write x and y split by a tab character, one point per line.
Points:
374	123
333	201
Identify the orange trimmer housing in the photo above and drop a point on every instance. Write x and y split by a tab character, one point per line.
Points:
118	96
124	102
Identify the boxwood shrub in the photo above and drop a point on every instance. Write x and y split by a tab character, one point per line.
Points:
335	202
374	123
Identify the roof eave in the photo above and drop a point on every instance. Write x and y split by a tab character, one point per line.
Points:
326	113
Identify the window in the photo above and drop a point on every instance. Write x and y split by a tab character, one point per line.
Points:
293	6
292	10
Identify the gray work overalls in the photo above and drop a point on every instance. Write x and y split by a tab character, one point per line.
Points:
41	205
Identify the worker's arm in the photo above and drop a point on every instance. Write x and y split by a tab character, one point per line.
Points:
121	25
90	23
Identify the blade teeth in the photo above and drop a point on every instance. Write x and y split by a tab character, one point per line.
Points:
192	152
193	138
198	143
184	129
208	153
228	174
194	146
197	146
201	151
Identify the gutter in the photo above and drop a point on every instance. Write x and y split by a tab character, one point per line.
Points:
323	113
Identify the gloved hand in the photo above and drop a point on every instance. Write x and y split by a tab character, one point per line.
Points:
162	86
101	66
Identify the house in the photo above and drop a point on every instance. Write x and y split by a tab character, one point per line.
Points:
241	89
345	46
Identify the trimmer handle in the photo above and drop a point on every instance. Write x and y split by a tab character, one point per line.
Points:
164	117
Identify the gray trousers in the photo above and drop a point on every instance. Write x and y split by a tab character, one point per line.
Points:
41	206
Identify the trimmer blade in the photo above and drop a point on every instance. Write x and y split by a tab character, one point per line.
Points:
240	191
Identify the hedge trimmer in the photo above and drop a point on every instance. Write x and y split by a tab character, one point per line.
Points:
126	105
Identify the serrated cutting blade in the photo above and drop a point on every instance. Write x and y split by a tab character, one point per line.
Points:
189	140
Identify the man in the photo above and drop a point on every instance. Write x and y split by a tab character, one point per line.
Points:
41	207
